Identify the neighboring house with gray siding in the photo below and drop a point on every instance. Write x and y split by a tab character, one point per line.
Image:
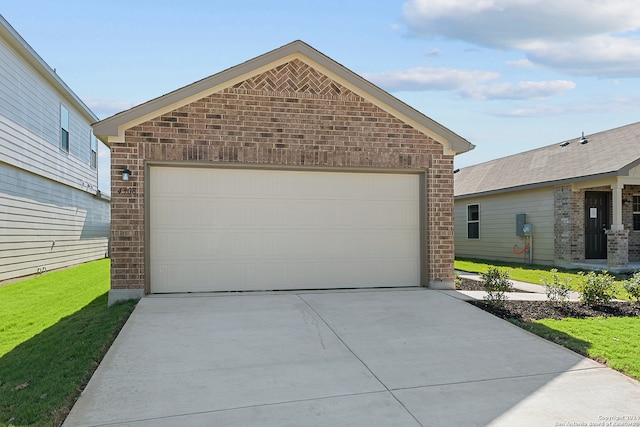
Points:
51	212
580	197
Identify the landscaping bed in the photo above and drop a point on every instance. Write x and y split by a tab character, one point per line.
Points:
534	310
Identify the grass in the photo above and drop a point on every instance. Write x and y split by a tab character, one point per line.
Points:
532	273
54	330
613	341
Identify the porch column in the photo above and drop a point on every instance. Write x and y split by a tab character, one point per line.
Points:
617	237
616	190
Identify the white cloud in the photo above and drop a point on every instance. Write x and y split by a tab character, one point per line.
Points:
581	36
425	78
598	55
433	53
521	90
521	63
597	106
467	83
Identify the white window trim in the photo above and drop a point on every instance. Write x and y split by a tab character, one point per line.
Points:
62	128
634	212
473	221
93	150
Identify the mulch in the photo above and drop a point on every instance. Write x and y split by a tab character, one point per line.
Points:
525	311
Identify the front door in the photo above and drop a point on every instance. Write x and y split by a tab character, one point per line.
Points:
596	220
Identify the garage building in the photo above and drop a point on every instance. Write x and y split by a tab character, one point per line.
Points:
288	171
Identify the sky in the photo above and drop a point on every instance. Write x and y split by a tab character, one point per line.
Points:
507	75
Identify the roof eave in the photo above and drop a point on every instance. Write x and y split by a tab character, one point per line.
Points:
31	56
112	129
538	185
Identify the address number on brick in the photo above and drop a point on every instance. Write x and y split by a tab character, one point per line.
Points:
126	191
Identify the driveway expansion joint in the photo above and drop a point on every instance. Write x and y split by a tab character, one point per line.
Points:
359	359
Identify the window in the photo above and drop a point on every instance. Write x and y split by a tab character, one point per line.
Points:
636	213
64	129
94	150
473	221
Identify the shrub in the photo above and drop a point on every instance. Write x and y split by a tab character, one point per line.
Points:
632	286
496	282
597	289
557	289
457	282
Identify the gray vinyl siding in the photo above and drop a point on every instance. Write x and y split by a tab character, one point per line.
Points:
498	226
47	225
50	217
30	126
634	172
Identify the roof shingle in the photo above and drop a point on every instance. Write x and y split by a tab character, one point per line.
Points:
612	152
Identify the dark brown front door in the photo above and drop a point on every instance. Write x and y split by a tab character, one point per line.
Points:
596	220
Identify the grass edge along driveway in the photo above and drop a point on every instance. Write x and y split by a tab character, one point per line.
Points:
54	331
612	341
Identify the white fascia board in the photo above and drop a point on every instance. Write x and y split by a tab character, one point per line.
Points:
112	129
23	48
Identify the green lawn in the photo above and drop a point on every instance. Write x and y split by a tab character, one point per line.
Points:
531	273
54	330
614	341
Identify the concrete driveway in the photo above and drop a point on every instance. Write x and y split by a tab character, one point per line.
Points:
337	358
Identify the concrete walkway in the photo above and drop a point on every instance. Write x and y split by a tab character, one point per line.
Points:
523	291
405	357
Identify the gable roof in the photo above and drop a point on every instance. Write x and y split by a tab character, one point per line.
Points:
11	36
112	129
609	153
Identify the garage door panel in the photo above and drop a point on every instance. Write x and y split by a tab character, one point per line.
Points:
234	229
273	275
296	245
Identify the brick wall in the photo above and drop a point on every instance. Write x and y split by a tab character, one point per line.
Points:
569	243
291	115
617	248
562	223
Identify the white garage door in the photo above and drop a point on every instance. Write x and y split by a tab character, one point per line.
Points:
239	229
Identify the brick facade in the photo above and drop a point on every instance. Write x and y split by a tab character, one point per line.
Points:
562	223
292	116
617	248
569	227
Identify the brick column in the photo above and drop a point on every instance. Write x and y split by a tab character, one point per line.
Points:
127	224
562	224
617	248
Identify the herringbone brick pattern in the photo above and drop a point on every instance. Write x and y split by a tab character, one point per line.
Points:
295	77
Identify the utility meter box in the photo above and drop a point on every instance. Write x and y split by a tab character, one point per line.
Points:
527	230
521	219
